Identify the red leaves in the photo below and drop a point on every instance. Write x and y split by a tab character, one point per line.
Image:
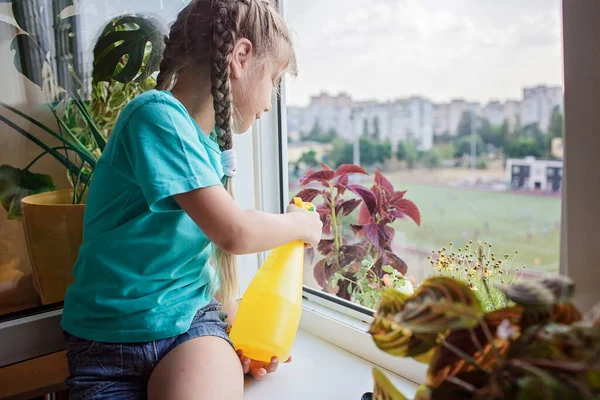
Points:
349	169
309	194
379	235
383	182
322	176
342	184
408	208
325	246
348	206
366	195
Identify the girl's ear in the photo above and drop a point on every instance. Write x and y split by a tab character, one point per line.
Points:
240	57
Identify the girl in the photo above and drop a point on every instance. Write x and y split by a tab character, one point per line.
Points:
140	319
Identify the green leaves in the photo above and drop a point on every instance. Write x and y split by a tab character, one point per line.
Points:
384	389
392	337
16	184
408	326
130	48
440	304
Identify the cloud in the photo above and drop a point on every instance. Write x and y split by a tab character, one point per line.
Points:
437	48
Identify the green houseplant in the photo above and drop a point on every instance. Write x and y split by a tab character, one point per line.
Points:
126	56
540	347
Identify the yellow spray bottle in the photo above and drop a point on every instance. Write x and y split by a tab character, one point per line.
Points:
268	316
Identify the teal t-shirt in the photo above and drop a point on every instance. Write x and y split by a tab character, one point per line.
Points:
143	271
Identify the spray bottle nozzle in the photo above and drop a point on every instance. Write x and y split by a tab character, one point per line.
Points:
304	204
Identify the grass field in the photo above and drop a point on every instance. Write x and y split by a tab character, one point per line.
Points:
526	223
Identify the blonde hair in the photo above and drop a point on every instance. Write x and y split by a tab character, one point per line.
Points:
204	35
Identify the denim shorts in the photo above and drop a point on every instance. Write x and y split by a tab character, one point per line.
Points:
121	371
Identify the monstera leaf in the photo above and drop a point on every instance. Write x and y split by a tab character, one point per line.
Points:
34	17
384	389
440	304
16	184
391	337
125	40
29	58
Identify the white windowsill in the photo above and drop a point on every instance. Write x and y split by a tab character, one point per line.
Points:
321	371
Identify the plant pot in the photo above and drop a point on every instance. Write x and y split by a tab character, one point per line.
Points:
367	396
53	231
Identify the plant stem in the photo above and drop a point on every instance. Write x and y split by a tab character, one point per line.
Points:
459	382
490	338
334	225
461	354
475	339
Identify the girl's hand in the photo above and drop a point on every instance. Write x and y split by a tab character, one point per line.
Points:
258	369
311	224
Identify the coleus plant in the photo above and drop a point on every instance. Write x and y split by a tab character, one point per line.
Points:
538	348
345	245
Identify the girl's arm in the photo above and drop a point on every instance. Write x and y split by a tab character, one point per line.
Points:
240	231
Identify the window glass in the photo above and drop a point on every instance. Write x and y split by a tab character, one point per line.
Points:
48	65
455	111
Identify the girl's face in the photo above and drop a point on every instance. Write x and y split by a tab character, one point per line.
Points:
251	86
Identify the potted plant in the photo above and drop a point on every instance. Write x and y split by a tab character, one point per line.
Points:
356	255
126	56
537	347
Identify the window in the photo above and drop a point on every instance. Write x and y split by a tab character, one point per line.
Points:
39	72
460	104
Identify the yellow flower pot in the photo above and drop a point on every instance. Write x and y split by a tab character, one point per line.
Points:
54	231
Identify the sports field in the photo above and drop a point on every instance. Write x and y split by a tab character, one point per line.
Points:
527	223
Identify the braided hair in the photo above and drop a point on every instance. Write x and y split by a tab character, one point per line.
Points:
204	35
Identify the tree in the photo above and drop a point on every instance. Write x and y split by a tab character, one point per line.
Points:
316	134
432	158
464	125
309	158
371	152
341	153
521	147
463	146
504	132
316	130
376	131
518	129
556	128
407	151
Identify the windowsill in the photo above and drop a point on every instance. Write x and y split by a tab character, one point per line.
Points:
321	371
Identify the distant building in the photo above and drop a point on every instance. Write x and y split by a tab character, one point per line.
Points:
539	103
413	119
512	110
417	118
535	175
494	112
447	116
441	119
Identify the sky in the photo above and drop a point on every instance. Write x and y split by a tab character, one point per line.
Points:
480	50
